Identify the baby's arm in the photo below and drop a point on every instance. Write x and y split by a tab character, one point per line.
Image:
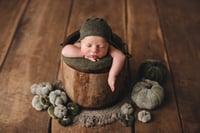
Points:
117	64
72	51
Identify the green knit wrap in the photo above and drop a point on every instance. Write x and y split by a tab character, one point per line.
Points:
85	65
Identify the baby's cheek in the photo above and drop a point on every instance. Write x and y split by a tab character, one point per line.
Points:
84	52
103	53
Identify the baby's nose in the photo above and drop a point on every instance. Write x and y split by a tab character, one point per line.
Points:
94	49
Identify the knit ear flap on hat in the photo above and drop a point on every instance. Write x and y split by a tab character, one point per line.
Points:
71	39
118	43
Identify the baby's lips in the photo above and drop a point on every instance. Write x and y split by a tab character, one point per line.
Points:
95	57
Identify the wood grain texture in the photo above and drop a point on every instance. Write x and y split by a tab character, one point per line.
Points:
91	90
181	25
8	24
114	13
31	31
33	57
145	41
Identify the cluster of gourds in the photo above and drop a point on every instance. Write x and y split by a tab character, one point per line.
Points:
148	93
53	99
127	118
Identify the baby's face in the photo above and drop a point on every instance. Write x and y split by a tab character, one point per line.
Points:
94	47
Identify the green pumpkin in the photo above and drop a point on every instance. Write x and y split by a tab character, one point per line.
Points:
44	100
127	120
51	111
65	121
73	108
154	70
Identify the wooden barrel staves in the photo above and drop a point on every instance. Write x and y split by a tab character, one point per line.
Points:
91	90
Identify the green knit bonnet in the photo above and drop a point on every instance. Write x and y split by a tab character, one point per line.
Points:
96	27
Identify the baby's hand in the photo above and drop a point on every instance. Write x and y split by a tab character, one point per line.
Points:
92	58
111	82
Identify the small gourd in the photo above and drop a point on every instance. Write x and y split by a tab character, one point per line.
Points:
126	109
37	104
65	121
42	89
57	97
144	116
50	111
73	108
147	94
127	119
154	70
44	100
60	111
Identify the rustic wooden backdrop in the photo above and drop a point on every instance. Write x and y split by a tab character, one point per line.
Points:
30	34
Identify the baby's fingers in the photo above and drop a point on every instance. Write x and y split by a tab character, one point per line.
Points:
91	59
112	88
112	85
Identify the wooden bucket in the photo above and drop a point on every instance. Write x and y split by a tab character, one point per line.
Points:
91	90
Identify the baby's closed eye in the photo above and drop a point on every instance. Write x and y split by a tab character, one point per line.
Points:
89	45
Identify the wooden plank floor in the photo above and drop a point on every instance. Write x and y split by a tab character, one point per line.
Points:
30	34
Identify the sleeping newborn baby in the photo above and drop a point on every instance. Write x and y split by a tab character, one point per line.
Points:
95	43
